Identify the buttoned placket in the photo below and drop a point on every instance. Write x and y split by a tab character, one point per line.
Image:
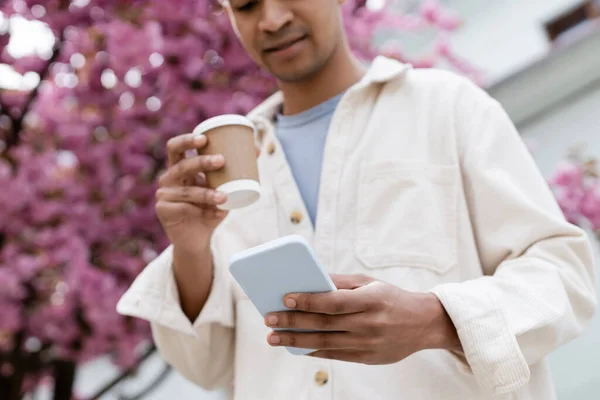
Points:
321	237
284	185
334	156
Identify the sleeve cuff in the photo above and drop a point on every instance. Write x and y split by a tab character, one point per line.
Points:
218	308
490	349
153	297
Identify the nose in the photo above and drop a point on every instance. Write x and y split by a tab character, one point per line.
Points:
275	16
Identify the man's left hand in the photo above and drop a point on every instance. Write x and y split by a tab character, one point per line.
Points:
365	321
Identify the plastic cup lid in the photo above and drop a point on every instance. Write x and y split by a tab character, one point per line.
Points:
240	193
223	120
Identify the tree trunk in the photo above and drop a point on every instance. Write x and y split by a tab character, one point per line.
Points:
10	386
64	378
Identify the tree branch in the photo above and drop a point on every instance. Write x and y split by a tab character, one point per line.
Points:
111	385
160	378
13	140
11	385
64	378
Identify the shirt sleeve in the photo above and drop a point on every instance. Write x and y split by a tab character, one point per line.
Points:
201	351
538	288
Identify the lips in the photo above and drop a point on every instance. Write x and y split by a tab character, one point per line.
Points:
284	45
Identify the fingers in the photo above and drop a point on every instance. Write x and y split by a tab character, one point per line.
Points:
190	168
350	281
320	322
177	146
200	179
333	303
196	195
172	214
316	340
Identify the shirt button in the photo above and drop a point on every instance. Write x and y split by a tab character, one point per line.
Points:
321	378
271	148
296	217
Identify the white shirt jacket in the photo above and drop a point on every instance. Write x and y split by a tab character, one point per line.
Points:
426	184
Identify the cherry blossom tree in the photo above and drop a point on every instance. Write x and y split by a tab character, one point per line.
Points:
576	183
80	151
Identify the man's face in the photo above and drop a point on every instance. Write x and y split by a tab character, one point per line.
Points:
292	39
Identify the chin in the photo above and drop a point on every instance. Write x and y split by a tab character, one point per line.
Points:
293	75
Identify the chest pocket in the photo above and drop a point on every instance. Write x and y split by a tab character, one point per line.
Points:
407	215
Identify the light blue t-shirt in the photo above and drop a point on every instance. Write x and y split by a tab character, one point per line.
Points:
302	137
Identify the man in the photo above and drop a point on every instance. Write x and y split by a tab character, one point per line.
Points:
457	272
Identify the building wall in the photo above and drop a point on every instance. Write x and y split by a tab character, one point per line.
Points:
504	36
576	122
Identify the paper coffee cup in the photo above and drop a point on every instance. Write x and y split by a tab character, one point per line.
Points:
233	137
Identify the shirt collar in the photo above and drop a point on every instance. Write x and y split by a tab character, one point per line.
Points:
381	70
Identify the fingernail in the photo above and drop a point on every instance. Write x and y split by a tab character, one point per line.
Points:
219	196
272	320
191	153
218	158
199	139
290	303
275	339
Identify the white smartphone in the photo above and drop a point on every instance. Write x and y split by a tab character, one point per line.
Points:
268	272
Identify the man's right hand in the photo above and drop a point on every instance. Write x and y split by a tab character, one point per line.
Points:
186	207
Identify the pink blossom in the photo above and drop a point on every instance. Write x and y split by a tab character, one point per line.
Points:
10	285
10	321
577	188
26	64
568	175
78	221
570	203
433	12
590	203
